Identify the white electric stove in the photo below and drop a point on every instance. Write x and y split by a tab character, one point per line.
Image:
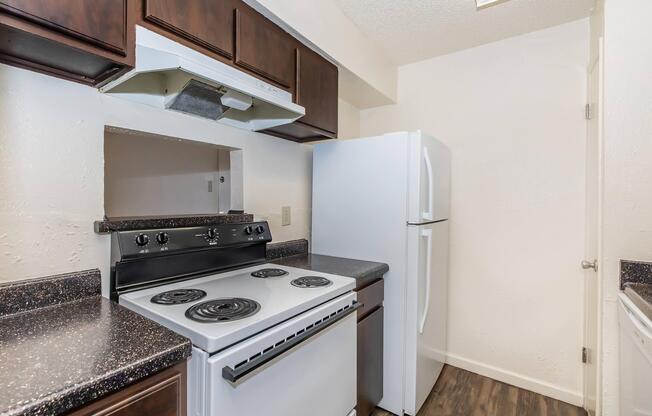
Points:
267	339
275	299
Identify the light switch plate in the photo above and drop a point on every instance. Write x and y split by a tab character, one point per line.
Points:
286	216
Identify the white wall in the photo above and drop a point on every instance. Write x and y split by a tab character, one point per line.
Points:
512	114
627	232
52	164
348	120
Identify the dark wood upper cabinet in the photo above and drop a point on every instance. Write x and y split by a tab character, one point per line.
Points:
99	22
92	42
209	23
263	48
79	40
316	90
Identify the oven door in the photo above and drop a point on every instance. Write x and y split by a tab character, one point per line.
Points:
305	366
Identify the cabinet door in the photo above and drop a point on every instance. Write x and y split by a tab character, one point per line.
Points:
99	22
163	394
316	90
208	23
263	48
370	362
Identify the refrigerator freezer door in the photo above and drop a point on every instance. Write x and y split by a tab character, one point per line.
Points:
426	312
429	180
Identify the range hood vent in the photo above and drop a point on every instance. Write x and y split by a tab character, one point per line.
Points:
171	76
199	99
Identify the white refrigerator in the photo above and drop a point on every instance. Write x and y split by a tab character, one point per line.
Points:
386	199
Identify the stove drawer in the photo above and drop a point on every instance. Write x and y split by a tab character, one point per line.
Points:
317	376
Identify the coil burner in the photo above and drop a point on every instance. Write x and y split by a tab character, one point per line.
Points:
223	310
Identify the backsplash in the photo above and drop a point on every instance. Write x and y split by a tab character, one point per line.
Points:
25	295
55	153
287	249
144	223
635	272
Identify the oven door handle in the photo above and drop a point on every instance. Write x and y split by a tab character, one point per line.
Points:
234	375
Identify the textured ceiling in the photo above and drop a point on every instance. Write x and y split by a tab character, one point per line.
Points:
413	30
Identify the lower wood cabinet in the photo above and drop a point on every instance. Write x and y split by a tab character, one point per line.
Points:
163	394
370	348
370	362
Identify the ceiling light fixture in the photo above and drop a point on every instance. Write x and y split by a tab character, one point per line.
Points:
483	4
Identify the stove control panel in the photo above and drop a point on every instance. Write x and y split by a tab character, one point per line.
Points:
140	243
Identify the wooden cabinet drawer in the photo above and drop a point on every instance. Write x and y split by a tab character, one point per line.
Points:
263	48
370	362
100	22
208	23
371	297
163	394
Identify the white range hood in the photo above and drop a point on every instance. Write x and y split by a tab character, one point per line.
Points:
171	76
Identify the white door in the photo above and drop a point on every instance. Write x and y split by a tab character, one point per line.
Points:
427	306
592	242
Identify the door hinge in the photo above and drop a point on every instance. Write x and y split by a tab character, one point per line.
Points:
585	355
588	112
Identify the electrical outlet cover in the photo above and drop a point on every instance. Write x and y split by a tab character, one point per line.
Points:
286	216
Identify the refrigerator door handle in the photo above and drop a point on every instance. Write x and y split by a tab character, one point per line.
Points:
428	215
427	233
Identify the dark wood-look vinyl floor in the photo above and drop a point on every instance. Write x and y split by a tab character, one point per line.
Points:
461	393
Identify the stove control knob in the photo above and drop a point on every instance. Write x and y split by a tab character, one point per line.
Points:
142	240
211	233
162	238
260	229
248	230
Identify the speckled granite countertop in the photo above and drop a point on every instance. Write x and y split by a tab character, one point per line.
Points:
636	282
59	355
143	223
364	272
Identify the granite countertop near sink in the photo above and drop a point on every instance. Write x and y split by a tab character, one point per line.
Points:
295	254
636	282
62	345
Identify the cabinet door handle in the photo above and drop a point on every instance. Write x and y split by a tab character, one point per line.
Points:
427	233
428	215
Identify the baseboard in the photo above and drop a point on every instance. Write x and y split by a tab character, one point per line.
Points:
515	379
